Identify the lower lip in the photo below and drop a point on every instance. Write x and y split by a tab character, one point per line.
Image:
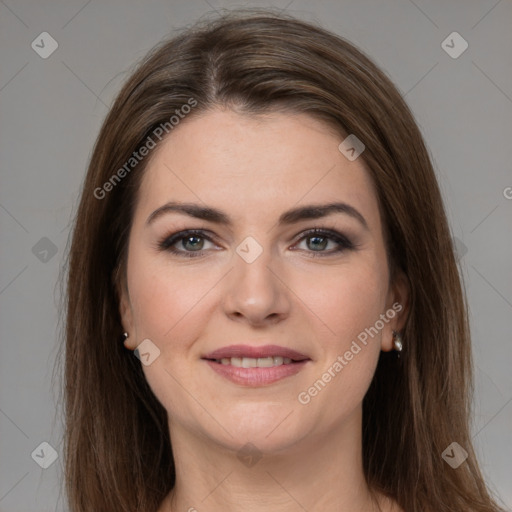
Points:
256	376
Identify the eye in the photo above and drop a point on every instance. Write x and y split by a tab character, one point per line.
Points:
317	240
191	242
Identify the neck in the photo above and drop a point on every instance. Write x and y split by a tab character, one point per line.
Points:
319	472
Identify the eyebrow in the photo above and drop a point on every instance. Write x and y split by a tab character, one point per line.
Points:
312	211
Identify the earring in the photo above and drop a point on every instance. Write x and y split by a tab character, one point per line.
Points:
397	341
125	337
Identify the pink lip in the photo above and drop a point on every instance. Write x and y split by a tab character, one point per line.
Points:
255	352
254	377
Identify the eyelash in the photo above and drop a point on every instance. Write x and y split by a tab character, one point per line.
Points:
166	244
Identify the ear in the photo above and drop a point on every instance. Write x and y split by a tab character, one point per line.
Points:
397	309
126	314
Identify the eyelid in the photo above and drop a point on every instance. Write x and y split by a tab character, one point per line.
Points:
166	243
343	242
327	232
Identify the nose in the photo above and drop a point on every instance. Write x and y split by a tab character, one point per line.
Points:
257	292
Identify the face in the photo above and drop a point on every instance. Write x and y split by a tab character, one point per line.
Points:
254	274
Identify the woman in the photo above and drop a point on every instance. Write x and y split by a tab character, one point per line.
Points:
264	308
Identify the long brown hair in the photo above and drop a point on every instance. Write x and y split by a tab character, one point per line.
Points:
118	454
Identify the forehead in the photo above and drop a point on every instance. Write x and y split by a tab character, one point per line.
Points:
262	164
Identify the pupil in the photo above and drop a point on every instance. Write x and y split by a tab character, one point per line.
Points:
322	245
188	239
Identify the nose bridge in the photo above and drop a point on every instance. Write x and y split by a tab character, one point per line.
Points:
255	291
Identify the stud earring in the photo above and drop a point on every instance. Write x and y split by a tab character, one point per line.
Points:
125	337
397	341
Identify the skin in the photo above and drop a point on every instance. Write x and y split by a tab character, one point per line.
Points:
254	168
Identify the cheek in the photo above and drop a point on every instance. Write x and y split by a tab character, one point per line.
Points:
165	299
168	305
347	300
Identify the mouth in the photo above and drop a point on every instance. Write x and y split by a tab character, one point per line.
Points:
256	366
252	362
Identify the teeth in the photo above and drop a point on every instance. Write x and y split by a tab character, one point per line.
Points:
267	362
251	362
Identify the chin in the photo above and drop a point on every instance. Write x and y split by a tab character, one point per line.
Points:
269	427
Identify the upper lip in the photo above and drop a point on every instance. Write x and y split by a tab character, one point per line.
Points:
255	352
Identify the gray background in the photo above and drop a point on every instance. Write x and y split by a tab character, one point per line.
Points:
50	113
